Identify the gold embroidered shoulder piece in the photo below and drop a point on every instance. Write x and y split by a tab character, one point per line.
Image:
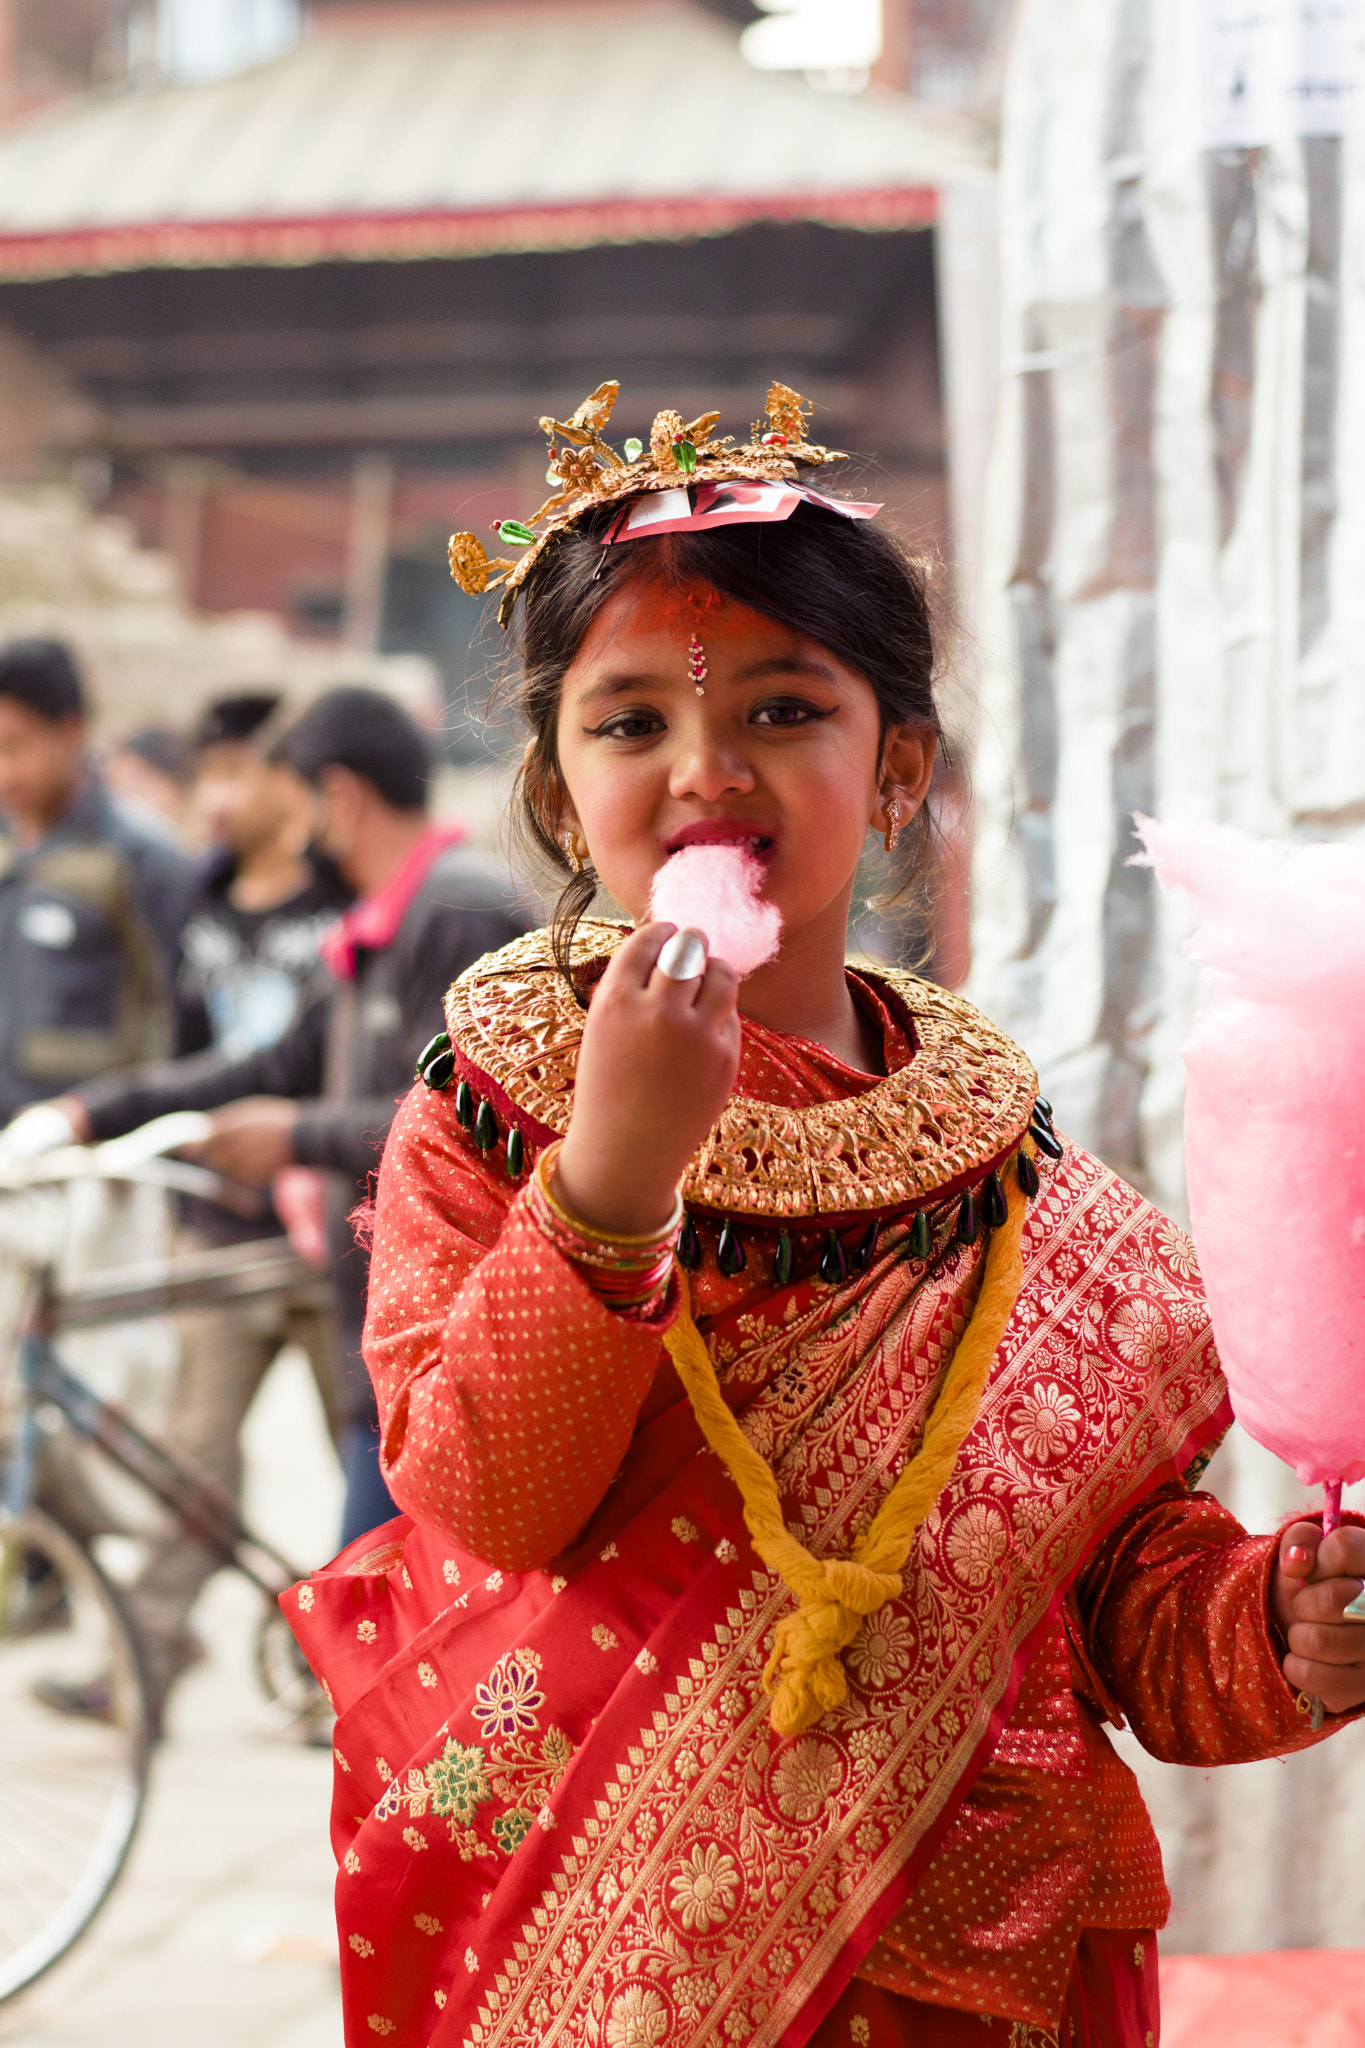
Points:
961	1103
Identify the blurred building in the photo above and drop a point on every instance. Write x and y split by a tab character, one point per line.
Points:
318	303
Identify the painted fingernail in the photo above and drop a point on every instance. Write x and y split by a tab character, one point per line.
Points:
1355	1611
1296	1554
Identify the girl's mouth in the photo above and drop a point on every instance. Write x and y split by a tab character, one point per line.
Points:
723	832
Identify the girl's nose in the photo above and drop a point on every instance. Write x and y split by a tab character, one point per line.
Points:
707	768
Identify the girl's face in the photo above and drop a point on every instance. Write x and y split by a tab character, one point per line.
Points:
783	751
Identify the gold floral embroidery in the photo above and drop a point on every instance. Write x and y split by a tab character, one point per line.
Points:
523	1768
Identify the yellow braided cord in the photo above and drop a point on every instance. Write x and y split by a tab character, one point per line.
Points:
834	1596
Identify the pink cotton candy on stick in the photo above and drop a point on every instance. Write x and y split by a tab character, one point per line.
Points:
716	890
1275	1133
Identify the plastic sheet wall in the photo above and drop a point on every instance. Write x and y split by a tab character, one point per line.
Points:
1172	620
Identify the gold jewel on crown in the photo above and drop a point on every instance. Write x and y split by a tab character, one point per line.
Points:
587	472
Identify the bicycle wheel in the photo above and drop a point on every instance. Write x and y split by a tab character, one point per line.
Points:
71	1790
282	1670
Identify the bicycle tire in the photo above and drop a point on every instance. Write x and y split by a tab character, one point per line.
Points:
71	1790
282	1671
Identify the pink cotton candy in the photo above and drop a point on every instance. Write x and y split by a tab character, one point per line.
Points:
1275	1131
716	890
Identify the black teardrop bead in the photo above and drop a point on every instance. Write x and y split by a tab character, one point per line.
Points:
994	1208
689	1246
464	1106
783	1259
516	1154
440	1043
1028	1174
1047	1141
1044	1109
865	1251
730	1253
439	1072
833	1262
921	1237
968	1221
485	1128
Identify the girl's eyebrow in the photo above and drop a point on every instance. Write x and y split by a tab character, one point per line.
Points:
622	685
787	665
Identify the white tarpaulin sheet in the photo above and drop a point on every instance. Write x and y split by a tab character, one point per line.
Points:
1258	69
1173	621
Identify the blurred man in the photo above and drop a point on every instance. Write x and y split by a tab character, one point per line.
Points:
250	942
324	1095
249	966
91	903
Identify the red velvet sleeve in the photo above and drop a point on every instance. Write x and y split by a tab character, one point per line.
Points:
507	1392
1175	1612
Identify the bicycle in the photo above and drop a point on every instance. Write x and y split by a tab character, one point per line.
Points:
72	1791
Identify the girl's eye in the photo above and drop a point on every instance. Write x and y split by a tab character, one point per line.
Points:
787	712
628	725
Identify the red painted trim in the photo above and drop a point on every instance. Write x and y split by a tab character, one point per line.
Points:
412	237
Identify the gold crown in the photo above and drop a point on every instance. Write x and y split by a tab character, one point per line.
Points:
589	472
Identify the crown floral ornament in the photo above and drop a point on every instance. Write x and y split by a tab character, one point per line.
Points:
587	471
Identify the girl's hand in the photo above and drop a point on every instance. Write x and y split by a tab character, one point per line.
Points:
1316	1578
655	1070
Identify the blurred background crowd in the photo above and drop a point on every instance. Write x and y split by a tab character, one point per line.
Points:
283	291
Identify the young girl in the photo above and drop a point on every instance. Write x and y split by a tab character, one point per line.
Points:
750	1686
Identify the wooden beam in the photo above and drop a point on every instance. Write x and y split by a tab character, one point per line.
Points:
289	423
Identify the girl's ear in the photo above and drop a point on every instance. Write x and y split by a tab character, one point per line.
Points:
907	769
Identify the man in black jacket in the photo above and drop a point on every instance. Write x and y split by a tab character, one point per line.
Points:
91	903
325	1093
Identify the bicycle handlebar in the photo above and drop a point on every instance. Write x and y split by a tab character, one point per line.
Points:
137	1157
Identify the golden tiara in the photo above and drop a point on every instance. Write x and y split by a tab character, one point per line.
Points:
587	472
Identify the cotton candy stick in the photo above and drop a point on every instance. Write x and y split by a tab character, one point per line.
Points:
1275	1135
717	889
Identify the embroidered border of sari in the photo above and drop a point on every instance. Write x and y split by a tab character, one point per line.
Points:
590	1832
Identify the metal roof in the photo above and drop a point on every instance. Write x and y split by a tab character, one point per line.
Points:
517	126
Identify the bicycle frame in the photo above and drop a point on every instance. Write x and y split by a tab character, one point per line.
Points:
234	1273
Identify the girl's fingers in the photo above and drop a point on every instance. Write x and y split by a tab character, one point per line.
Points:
719	991
1338	1687
1299	1548
1327	1600
1323	1642
636	959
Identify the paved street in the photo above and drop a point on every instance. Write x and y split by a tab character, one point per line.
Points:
219	1933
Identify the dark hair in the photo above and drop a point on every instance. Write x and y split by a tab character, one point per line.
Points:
368	733
847	584
160	747
42	675
235	719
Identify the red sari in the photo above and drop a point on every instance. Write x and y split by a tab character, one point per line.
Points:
561	1812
